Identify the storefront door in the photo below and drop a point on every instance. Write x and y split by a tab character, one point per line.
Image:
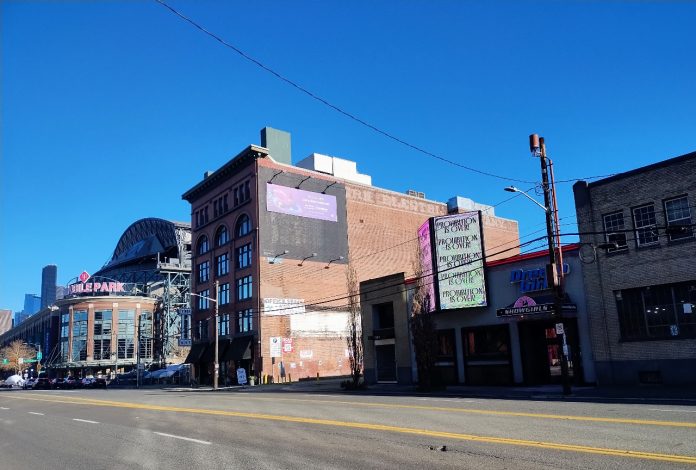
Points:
542	349
385	355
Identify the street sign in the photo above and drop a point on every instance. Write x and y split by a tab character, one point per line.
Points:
20	360
39	355
184	311
5	361
559	329
276	346
183	342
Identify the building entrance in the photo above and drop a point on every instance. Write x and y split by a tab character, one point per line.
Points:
542	349
385	355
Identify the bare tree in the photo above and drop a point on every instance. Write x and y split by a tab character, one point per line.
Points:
354	339
13	352
423	327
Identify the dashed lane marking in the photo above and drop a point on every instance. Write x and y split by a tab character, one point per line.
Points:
35	413
182	438
85	421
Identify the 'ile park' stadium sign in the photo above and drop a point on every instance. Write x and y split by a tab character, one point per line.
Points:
84	287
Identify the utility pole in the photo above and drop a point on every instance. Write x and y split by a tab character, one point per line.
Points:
554	273
217	365
137	352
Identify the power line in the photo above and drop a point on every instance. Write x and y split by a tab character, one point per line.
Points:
327	103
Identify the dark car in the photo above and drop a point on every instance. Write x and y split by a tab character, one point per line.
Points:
99	382
71	382
58	383
42	384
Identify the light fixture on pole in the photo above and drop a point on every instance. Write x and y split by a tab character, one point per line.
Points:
273	261
331	261
554	271
554	274
306	258
216	365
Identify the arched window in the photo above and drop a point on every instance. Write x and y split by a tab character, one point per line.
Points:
203	245
243	226
221	236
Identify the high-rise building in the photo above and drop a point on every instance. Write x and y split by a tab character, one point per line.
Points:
49	275
5	320
19	317
32	304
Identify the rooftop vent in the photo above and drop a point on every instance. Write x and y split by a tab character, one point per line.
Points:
414	193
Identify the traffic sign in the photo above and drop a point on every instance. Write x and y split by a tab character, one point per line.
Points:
39	355
5	361
20	360
184	311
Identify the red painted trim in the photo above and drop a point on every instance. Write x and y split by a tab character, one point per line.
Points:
534	255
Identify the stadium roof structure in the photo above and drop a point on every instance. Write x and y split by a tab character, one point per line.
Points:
148	238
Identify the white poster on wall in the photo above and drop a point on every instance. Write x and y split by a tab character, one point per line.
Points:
280	306
276	346
459	258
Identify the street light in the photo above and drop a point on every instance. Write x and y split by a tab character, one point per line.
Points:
512	189
555	272
216	364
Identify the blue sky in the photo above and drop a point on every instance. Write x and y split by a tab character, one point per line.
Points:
111	110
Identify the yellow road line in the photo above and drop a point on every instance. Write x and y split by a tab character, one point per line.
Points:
373	427
648	422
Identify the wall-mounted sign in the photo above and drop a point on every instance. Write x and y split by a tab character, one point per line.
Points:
276	346
426	254
279	306
287	345
96	287
532	280
301	203
528	310
459	260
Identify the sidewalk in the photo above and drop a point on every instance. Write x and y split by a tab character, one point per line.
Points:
678	395
638	394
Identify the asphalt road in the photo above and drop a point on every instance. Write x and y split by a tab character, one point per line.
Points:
119	429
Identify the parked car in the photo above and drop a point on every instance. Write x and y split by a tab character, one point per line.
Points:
29	384
71	382
88	382
58	383
42	383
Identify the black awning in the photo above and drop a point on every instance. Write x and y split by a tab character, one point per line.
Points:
223	345
240	349
195	353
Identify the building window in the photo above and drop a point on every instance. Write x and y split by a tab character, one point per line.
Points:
243	226
204	271
657	312
678	215
244	288
645	224
223	265
145	335
614	229
102	335
225	207
221	236
203	245
126	348
224	294
202	329
224	325
244	256
186	326
244	320
203	302
242	193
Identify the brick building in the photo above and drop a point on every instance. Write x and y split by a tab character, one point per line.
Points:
277	239
509	340
641	294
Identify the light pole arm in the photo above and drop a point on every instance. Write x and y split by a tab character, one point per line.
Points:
544	208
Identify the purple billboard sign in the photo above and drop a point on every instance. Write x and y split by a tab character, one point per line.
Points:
426	254
301	203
